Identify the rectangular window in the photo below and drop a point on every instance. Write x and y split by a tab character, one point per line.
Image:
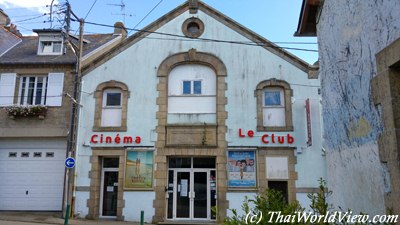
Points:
272	98
33	90
187	88
113	99
192	87
49	47
281	186
197	87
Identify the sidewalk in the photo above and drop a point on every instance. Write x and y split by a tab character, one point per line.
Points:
53	218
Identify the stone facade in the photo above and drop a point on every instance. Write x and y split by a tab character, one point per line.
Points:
57	120
205	140
385	89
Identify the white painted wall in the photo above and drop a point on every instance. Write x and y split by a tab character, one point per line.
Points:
81	209
135	202
236	201
246	67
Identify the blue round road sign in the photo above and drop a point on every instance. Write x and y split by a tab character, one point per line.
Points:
70	163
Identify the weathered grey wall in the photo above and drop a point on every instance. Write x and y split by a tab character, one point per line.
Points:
350	33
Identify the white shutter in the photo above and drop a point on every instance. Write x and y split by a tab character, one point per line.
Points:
55	85
7	88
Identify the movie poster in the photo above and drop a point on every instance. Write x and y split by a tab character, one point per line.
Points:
139	169
242	169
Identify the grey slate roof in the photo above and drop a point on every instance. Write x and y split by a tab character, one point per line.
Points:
7	40
26	51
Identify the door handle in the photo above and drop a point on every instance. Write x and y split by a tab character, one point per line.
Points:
26	192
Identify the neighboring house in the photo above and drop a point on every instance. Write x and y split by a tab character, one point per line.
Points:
8	39
178	126
36	80
359	57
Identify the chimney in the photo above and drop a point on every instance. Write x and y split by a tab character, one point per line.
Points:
119	29
13	29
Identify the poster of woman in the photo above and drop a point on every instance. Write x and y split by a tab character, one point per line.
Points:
241	169
139	169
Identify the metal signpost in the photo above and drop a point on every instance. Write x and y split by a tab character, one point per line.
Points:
69	163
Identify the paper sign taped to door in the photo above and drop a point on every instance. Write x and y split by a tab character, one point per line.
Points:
110	188
184	188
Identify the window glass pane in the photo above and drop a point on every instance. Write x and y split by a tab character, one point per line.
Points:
46	47
272	98
23	90
203	162
179	162
113	99
57	46
31	89
280	186
196	87
186	87
110	162
39	90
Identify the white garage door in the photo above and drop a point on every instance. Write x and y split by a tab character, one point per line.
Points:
31	179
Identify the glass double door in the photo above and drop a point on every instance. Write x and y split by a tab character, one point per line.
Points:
191	194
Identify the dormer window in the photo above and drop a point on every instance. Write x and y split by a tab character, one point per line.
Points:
51	47
50	42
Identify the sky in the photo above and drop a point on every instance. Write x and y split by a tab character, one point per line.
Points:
275	20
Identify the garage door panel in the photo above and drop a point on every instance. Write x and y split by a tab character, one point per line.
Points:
31	179
33	204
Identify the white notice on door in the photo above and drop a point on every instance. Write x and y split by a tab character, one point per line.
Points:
184	188
110	188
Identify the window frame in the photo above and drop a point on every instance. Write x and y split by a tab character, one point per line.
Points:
100	100
23	92
192	87
111	91
286	94
42	50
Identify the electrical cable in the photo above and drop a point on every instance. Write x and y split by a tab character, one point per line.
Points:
87	14
205	39
147	15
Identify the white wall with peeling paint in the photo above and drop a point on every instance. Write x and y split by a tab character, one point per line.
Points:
350	33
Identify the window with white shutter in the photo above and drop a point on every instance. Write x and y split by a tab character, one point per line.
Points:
55	89
7	88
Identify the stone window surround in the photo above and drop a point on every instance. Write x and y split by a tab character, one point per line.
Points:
288	104
288	152
164	151
187	33
98	95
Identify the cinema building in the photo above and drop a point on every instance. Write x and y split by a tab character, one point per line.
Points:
178	126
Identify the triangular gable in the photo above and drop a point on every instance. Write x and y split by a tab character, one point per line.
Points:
264	43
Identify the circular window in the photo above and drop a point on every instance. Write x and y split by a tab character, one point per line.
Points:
193	27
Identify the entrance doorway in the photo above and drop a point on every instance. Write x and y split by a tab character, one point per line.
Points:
191	191
109	188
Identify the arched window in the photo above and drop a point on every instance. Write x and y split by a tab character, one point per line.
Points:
274	108
192	94
111	106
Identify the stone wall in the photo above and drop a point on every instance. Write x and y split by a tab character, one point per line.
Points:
352	122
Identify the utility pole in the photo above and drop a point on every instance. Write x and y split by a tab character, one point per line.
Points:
71	144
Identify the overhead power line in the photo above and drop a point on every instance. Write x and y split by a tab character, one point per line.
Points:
262	44
147	14
91	7
30	18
